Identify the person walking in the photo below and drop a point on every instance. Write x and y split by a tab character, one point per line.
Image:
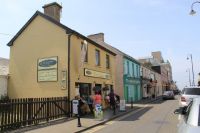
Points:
97	98
98	105
112	101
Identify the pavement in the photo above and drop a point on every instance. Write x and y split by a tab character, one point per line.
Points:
87	122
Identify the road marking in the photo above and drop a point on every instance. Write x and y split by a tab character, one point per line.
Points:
95	129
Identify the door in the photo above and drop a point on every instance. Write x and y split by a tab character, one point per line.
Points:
98	88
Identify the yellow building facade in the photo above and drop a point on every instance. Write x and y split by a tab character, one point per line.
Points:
46	61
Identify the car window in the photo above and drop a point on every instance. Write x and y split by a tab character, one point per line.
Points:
192	117
188	111
192	91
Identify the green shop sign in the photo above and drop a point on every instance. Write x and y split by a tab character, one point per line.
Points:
131	80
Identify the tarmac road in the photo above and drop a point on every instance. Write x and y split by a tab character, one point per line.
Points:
157	117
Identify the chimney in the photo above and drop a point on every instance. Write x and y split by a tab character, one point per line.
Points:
158	56
99	37
53	10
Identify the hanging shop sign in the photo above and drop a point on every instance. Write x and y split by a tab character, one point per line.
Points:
47	69
96	74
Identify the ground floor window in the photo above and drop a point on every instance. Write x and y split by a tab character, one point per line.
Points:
84	89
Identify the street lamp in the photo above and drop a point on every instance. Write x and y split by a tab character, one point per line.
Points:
193	12
188	70
192	68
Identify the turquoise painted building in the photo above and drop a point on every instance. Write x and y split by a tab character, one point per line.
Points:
132	80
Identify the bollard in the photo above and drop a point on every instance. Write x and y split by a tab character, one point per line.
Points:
131	102
78	115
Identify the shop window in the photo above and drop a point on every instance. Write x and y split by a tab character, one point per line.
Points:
97	56
84	90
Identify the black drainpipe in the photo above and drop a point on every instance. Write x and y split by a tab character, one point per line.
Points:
69	44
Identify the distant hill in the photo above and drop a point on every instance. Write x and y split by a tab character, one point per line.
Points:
4	66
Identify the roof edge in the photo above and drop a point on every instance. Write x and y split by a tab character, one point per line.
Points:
60	25
10	43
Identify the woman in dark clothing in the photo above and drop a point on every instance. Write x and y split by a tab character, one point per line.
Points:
112	101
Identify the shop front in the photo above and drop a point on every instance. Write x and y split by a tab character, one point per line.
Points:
97	81
132	89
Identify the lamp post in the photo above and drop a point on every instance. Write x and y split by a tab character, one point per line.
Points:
193	12
192	68
188	70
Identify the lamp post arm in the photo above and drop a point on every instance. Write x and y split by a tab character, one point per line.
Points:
194	3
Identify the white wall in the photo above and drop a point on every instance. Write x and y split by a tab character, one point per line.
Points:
3	85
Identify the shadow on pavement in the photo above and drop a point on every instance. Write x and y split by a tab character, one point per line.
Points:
137	115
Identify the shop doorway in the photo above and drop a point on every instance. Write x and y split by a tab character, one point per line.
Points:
98	88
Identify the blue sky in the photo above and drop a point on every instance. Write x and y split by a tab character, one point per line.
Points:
137	27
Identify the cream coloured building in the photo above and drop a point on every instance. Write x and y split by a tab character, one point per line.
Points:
48	59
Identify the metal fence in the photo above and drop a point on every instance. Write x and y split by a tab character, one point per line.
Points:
15	113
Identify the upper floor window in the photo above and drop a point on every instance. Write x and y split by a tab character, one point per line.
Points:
107	61
84	52
97	57
128	70
133	69
137	71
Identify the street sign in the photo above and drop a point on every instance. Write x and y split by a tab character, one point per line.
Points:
75	106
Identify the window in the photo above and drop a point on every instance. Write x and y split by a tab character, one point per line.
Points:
84	52
191	91
137	72
97	55
128	68
107	61
84	90
133	70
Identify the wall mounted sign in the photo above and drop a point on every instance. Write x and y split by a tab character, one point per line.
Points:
75	106
96	74
48	69
132	81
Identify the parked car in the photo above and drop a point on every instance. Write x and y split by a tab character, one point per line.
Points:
188	94
168	95
176	92
190	122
